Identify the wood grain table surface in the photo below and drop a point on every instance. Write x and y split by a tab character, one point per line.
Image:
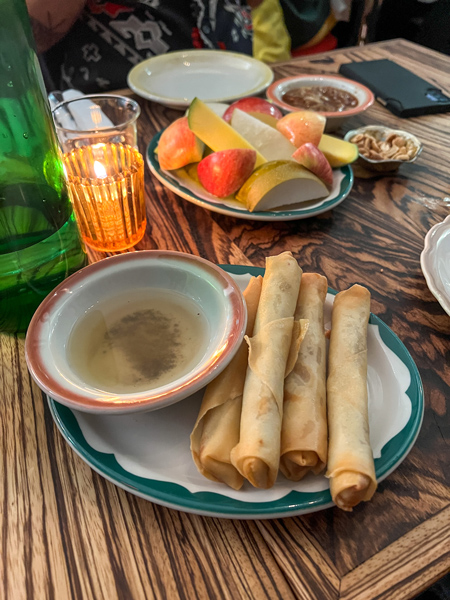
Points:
67	533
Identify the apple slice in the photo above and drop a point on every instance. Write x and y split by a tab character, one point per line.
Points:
178	146
310	157
267	140
280	183
253	105
302	127
223	173
215	132
338	152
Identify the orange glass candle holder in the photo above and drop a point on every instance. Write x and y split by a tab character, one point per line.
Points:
106	186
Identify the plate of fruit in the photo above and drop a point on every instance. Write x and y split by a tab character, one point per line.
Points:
247	160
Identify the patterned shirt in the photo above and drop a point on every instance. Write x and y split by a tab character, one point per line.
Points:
109	39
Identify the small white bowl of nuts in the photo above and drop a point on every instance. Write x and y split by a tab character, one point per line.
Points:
384	149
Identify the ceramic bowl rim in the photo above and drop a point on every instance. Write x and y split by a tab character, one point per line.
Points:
151	399
272	94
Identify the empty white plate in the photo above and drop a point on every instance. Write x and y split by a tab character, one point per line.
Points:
435	262
176	78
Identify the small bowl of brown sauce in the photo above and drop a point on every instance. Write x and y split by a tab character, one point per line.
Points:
336	98
382	149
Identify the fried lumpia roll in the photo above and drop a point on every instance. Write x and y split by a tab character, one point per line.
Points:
304	427
351	467
216	430
257	455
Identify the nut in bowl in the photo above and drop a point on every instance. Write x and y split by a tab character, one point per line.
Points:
334	97
383	149
135	332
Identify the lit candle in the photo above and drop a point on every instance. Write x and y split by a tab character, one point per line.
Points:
99	170
106	185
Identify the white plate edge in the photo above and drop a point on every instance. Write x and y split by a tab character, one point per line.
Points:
267	74
426	257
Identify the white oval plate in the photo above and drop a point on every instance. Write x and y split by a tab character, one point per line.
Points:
176	78
181	184
148	454
435	262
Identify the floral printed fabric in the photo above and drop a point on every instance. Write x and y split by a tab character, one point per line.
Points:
110	38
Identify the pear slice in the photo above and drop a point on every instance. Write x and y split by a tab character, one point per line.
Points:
265	139
280	183
214	131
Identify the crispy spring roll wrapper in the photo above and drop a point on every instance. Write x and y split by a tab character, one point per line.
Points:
216	430
351	467
257	455
304	435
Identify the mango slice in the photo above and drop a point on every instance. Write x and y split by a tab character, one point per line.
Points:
267	119
338	152
215	132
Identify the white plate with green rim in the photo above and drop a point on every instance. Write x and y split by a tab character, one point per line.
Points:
182	185
176	78
148	454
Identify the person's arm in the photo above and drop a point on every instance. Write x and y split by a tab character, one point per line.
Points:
52	19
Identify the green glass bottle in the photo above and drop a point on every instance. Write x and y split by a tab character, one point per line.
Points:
39	240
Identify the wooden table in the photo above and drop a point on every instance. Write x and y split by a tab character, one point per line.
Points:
68	533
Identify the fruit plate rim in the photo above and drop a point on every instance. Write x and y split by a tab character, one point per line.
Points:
174	495
177	188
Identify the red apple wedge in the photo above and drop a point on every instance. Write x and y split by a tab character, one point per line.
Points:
178	146
223	173
302	127
253	105
310	157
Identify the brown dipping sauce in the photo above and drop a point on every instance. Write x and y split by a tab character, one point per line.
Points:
320	98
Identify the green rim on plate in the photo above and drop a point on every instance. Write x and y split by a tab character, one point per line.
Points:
299	213
209	503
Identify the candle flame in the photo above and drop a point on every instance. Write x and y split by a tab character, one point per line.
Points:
99	170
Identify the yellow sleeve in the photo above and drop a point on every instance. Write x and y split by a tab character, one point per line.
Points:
322	33
271	41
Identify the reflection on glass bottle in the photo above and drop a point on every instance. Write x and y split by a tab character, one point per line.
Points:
39	240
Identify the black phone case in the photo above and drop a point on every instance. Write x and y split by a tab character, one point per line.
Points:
399	90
